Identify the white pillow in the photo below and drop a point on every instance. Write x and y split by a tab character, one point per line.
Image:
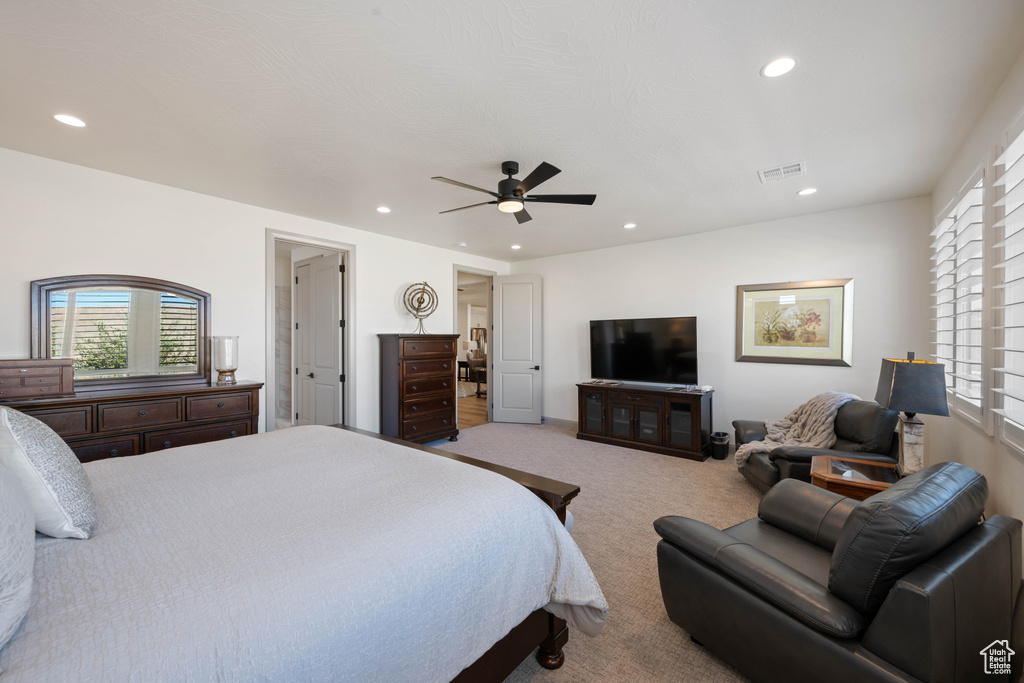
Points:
50	475
17	554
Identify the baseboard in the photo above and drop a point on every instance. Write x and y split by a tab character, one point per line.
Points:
558	422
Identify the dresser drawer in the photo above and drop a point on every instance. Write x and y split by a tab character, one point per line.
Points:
30	388
36	377
433	385
137	414
412	348
66	422
187	436
100	449
429	424
423	406
637	399
205	407
415	368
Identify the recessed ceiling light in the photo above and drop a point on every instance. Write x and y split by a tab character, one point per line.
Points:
383	209
782	65
70	120
462	244
629	226
807	190
516	246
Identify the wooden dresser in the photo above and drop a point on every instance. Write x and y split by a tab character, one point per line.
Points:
106	424
417	386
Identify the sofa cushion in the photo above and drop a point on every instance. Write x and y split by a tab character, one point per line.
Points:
892	532
864	426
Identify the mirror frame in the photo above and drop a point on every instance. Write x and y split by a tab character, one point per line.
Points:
40	327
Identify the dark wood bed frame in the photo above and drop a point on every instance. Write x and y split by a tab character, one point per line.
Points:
541	630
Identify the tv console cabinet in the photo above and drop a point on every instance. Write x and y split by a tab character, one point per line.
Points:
649	418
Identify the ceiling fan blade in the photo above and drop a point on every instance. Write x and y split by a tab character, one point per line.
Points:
587	199
468	207
522	216
543	172
468	187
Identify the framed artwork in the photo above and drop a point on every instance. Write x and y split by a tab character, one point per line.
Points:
809	323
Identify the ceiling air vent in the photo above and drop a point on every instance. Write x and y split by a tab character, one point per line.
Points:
770	175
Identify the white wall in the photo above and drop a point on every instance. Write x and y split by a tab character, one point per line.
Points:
60	219
882	246
951	438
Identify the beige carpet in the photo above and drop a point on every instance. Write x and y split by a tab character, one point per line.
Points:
622	492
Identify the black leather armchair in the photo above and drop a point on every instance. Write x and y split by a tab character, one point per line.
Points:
904	586
864	430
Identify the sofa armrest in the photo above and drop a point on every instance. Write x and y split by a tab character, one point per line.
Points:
806	511
805	453
764	576
749	430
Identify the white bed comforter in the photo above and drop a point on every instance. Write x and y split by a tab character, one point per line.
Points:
309	554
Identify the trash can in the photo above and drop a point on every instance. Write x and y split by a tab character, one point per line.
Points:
719	445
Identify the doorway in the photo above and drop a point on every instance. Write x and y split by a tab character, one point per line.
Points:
473	324
307	332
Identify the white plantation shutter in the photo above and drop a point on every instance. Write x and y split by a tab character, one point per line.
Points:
958	258
1009	291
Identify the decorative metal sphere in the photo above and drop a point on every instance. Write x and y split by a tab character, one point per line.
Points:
420	300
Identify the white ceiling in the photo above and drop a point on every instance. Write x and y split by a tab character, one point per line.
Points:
330	109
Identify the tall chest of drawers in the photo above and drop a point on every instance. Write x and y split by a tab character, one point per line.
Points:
417	386
107	424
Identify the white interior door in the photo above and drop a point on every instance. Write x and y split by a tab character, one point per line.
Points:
516	379
317	345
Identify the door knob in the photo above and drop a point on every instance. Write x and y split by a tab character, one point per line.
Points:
311	375
535	367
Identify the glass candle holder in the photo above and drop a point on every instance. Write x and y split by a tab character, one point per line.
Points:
225	359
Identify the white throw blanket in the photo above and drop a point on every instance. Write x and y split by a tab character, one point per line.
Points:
810	425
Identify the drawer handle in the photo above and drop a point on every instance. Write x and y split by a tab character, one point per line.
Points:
42	380
444	403
444	422
167	444
444	384
415	407
113	452
445	347
414	387
142	413
22	370
414	367
234	433
414	348
445	366
220	405
414	428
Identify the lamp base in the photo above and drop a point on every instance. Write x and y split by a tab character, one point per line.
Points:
911	445
225	377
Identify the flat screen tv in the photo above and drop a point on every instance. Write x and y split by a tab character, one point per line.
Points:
660	350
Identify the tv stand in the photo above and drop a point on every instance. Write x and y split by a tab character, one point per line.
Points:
661	420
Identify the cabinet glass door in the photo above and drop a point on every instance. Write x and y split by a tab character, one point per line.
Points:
648	423
680	424
593	414
622	419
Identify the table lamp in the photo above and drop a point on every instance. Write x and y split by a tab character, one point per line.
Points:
912	386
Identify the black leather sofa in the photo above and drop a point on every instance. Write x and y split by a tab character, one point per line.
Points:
863	430
904	586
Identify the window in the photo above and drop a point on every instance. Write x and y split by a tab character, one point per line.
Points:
958	257
1008	304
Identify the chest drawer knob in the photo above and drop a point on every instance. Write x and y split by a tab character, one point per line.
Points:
414	387
415	407
444	422
414	428
445	366
167	444
23	370
113	452
444	403
414	367
414	348
444	384
142	413
220	405
234	433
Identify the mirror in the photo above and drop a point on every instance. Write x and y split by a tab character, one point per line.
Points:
122	331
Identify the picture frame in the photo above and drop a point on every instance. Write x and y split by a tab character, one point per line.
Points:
805	323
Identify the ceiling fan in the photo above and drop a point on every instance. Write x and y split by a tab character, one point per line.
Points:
511	193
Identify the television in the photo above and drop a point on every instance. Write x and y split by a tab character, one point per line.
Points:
657	350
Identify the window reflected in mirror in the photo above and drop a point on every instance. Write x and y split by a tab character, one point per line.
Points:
124	331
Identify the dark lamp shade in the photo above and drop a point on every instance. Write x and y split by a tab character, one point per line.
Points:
477	334
912	386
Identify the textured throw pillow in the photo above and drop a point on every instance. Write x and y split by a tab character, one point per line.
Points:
17	554
49	474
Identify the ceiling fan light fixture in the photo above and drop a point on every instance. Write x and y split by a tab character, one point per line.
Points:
510	205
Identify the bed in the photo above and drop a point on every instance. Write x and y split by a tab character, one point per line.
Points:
312	553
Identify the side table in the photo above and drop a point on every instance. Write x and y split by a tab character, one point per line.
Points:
850	477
